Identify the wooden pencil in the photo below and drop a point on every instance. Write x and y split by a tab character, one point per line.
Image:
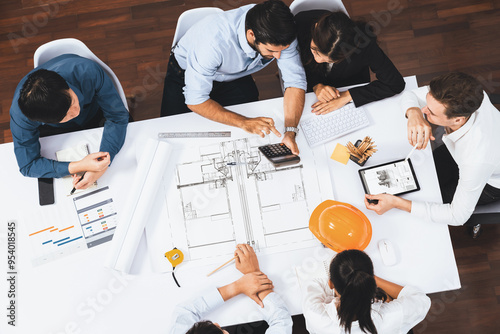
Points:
222	265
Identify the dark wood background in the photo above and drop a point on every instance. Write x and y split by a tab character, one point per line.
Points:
423	38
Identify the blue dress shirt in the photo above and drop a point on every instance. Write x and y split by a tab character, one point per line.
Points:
216	49
95	90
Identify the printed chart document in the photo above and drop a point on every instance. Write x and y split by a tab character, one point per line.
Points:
228	193
83	222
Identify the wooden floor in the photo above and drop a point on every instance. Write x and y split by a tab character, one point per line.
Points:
422	37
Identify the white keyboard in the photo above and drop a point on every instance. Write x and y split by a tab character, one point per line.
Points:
323	128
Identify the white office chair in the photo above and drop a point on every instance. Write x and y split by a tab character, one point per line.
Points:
189	18
298	6
59	47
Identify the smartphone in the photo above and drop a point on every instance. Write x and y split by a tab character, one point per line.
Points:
279	154
46	191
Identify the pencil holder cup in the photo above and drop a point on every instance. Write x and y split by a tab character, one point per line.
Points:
356	160
361	151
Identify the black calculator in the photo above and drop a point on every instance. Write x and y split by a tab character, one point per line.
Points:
279	154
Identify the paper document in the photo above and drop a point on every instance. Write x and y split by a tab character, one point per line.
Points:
340	154
55	232
228	193
76	153
143	195
314	270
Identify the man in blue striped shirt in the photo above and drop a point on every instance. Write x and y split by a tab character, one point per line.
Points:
211	66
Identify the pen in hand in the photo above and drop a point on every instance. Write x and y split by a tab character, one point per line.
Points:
74	189
83	175
411	152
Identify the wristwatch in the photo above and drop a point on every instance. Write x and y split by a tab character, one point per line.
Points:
292	129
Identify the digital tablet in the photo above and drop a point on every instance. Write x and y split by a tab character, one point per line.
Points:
395	178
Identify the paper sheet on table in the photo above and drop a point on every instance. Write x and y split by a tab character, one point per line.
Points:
142	198
73	154
314	270
340	154
75	224
225	193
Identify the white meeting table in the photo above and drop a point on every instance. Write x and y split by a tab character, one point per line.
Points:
77	294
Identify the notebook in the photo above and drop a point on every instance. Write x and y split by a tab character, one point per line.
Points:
73	154
316	269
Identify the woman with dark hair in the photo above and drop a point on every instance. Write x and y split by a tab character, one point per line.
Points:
354	300
337	52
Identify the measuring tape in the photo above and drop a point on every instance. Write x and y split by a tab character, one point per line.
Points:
195	134
175	257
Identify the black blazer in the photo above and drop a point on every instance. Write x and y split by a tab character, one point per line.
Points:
353	70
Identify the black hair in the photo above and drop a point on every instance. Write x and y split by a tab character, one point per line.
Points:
351	273
204	327
272	23
45	97
336	36
460	93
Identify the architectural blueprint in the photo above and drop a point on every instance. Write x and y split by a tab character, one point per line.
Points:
228	193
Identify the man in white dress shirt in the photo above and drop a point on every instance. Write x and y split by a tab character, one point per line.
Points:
253	283
468	164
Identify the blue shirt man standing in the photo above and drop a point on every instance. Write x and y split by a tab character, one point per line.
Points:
66	93
211	66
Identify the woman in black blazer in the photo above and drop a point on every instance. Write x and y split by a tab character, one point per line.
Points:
338	52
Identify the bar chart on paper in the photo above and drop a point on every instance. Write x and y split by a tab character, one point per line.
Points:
97	216
56	232
55	237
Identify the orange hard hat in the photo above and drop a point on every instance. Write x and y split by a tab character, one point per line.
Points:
340	226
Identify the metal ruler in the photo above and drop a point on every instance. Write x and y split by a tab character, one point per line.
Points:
194	134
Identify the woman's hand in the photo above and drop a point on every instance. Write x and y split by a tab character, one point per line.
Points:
321	108
326	93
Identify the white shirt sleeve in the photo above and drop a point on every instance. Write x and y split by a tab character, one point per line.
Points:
412	304
414	98
397	316
471	183
274	312
317	298
187	314
473	178
276	315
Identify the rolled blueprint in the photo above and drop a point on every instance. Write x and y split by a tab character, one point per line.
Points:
150	169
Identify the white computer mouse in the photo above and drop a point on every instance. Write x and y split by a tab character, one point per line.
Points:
387	252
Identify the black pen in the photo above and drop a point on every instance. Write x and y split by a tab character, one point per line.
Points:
74	189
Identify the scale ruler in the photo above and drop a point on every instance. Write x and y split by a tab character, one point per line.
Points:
194	134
